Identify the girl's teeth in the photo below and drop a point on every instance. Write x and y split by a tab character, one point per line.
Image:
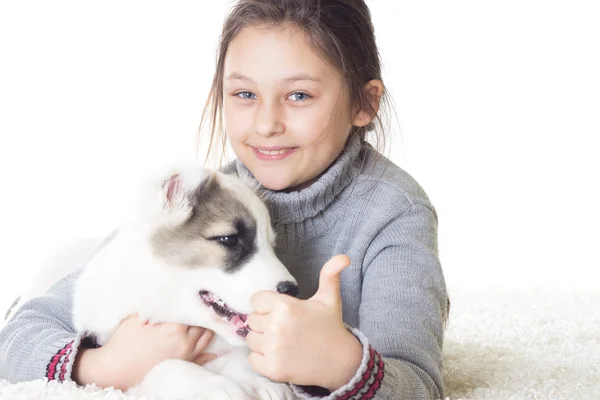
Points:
273	152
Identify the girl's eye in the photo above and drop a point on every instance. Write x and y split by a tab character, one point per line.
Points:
246	95
299	96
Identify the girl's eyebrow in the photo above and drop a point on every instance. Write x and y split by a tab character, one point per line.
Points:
301	77
235	75
293	78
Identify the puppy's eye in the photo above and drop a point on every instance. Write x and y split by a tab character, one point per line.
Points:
229	241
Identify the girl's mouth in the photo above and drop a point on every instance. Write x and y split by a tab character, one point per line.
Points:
273	153
237	321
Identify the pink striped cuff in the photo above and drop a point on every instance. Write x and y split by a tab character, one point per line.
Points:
370	382
57	368
361	387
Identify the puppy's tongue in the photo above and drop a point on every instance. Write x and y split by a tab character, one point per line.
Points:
237	322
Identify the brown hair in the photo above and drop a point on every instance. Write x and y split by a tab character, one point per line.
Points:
340	30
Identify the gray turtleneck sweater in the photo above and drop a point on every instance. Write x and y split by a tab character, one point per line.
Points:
394	295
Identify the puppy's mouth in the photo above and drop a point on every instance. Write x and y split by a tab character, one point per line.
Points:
237	321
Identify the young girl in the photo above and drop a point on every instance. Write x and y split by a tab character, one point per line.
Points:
296	91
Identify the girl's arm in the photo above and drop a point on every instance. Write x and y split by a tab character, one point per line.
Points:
402	315
39	341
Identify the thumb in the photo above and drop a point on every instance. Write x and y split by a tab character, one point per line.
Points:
329	281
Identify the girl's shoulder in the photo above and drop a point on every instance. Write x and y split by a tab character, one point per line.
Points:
387	184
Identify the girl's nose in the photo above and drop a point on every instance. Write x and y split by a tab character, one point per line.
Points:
268	121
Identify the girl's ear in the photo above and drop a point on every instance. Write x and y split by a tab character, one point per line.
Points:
373	91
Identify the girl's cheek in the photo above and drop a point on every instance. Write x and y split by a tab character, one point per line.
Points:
237	122
309	131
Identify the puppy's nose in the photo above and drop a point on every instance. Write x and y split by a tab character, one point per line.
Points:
289	288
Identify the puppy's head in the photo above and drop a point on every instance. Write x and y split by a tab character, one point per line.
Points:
216	233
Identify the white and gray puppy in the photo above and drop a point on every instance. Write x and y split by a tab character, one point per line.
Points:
198	246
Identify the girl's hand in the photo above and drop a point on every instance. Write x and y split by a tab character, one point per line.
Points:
136	347
304	342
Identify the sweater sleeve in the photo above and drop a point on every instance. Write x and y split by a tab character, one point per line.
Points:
39	340
402	315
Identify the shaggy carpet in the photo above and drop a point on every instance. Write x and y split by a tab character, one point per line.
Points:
500	344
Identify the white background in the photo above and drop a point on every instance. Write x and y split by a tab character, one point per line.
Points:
498	105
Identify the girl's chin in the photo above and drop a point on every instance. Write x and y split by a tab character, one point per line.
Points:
271	182
281	179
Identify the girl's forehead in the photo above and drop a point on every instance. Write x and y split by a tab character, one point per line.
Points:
275	53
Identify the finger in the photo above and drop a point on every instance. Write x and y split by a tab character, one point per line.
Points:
172	329
193	334
203	341
329	281
258	362
256	342
204	358
258	322
264	301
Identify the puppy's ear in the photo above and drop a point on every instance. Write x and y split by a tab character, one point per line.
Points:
179	193
173	193
176	207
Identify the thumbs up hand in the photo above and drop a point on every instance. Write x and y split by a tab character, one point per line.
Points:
329	283
304	342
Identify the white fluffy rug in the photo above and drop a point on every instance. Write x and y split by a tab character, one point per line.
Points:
538	345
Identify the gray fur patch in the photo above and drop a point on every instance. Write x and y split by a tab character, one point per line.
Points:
216	212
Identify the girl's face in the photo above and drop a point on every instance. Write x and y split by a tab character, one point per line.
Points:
286	114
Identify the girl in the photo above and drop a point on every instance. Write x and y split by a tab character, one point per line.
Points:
296	91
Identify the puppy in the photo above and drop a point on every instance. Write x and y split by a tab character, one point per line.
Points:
198	245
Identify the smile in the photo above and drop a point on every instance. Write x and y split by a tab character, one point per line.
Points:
273	154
